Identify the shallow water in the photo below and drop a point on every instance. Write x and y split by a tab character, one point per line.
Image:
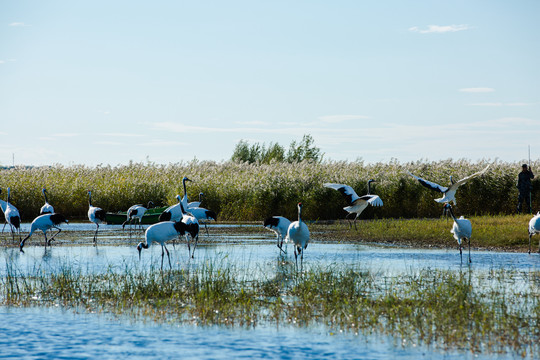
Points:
56	333
39	333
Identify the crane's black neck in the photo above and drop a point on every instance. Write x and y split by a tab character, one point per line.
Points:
451	211
185	191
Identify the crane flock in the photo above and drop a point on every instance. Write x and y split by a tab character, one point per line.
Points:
184	218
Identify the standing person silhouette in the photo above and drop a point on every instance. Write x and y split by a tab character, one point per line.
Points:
524	186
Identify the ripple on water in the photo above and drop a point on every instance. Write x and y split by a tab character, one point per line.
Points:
53	333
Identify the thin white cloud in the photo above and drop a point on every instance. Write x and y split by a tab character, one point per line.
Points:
477	90
18	24
334	119
440	29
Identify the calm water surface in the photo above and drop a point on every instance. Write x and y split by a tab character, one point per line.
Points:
56	333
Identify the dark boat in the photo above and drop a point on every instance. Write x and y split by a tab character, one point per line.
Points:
151	216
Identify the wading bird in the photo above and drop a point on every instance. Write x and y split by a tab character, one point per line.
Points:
47	208
357	204
3	206
13	219
298	233
462	229
192	228
279	225
95	215
136	212
449	193
203	214
161	233
534	228
44	223
173	212
185	199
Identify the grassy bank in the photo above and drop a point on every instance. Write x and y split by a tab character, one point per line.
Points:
440	308
244	192
500	232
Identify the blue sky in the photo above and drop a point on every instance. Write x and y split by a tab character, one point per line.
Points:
106	82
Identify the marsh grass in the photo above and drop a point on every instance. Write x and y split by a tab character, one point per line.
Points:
434	307
251	192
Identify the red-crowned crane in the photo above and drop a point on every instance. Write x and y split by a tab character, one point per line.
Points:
13	219
161	233
136	212
357	204
185	200
279	225
462	230
192	228
3	207
298	233
173	212
534	228
448	193
95	215
44	223
47	208
201	213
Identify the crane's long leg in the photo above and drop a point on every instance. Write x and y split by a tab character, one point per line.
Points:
168	256
460	253
280	244
52	238
12	234
470	261
349	220
95	235
195	246
356	217
530	235
162	254
206	228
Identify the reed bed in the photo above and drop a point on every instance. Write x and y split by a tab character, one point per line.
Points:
250	192
445	309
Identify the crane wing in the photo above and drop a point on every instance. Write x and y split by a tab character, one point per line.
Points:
465	179
348	192
373	200
429	184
